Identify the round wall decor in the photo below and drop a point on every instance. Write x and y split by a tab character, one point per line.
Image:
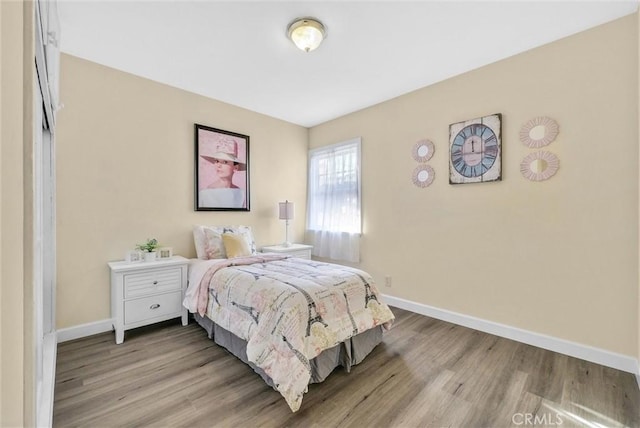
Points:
539	166
539	131
423	150
423	175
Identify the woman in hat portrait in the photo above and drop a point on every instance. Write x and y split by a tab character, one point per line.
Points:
220	165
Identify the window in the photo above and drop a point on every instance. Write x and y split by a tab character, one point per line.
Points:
333	206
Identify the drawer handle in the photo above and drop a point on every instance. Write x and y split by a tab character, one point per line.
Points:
155	282
154	306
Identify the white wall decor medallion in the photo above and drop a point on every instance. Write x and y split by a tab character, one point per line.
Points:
539	166
423	150
423	175
539	132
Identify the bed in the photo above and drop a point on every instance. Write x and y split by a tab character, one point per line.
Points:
292	320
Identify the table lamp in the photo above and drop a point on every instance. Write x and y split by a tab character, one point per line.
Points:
286	214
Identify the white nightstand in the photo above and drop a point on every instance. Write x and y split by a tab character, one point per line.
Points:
296	250
147	292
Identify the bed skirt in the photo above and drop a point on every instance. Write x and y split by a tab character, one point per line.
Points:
346	354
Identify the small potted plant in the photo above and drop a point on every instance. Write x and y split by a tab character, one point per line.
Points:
149	249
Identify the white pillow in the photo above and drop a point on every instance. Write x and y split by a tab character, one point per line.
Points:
209	244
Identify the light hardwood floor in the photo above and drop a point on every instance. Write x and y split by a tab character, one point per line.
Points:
425	373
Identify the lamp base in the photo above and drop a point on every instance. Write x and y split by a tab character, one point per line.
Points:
286	242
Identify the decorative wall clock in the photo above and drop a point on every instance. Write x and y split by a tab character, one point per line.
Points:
475	150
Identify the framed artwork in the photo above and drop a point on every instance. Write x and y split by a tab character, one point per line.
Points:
133	256
221	170
165	252
475	150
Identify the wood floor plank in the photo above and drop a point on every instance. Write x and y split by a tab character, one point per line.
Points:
425	373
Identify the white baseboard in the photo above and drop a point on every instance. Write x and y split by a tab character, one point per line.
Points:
584	352
84	330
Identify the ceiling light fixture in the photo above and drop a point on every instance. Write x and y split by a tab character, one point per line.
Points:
306	33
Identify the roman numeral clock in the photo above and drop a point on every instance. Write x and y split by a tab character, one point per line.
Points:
475	150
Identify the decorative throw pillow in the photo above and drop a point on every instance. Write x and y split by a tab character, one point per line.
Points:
213	244
235	245
246	232
208	242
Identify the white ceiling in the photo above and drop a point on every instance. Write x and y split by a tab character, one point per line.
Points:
238	52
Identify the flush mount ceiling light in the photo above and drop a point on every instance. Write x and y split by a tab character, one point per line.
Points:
306	33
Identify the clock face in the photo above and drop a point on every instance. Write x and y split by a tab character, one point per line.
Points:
475	150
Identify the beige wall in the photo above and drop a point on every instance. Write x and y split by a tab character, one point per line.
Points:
125	169
16	308
558	257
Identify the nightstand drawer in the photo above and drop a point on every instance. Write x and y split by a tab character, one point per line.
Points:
152	307
154	281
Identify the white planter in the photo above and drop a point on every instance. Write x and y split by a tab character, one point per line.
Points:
150	257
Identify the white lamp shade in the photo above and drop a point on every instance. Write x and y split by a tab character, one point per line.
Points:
286	210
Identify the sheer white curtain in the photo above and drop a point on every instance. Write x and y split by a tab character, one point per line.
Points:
333	204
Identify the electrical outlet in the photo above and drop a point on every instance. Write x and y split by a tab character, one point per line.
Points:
387	281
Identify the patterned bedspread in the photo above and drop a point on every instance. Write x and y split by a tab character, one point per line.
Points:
288	310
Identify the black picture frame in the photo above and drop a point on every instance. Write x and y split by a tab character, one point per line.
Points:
221	170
